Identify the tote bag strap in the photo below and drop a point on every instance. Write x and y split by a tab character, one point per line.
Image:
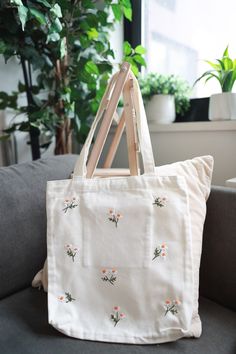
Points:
138	117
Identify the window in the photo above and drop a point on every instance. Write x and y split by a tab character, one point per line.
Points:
180	34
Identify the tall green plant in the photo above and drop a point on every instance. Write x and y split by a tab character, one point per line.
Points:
223	70
64	51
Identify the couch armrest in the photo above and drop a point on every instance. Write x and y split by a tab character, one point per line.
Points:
218	264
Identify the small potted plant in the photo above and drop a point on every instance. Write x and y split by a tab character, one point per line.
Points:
222	106
164	97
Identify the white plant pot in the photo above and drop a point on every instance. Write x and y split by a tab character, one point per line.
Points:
222	106
161	109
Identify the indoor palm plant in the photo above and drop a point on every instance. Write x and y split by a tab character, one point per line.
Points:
222	105
164	96
63	48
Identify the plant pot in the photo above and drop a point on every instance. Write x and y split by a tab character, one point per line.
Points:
222	106
161	109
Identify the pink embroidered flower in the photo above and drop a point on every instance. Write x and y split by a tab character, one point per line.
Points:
71	251
117	316
172	307
160	251
114	217
67	298
160	201
109	275
70	204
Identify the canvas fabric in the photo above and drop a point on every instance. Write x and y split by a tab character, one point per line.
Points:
123	261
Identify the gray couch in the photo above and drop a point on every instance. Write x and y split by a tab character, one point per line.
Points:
23	310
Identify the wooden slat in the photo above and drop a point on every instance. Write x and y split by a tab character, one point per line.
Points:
107	120
115	142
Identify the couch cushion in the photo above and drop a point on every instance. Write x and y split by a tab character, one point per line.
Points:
23	218
24	329
218	265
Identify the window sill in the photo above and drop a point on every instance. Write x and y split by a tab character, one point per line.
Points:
194	126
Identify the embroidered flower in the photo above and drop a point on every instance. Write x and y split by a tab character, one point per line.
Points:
71	251
114	217
160	201
109	275
70	204
67	298
172	306
160	251
116	316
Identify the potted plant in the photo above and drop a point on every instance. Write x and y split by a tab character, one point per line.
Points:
64	51
164	97
222	106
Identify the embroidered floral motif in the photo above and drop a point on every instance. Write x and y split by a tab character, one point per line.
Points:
114	217
70	204
71	251
160	202
109	275
116	316
172	306
160	251
67	298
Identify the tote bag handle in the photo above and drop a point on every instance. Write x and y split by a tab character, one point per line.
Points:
105	113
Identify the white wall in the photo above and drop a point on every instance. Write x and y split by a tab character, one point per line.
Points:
182	141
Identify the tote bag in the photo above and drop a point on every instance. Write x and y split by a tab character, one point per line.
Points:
120	265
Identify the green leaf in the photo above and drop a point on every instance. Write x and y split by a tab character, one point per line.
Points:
128	13
226	52
3	47
63	48
140	60
228	63
44	2
23	13
91	68
135	70
57	25
126	3
38	15
16	2
127	48
21	87
92	33
213	65
56	10
53	37
4	137
140	49
116	9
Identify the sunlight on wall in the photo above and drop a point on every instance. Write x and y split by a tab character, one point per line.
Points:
181	34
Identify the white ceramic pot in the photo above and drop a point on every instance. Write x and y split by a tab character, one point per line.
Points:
161	109
222	106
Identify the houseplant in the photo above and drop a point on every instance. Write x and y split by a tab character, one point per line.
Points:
164	96
64	50
222	106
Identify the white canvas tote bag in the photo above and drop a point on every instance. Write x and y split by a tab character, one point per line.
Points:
120	265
